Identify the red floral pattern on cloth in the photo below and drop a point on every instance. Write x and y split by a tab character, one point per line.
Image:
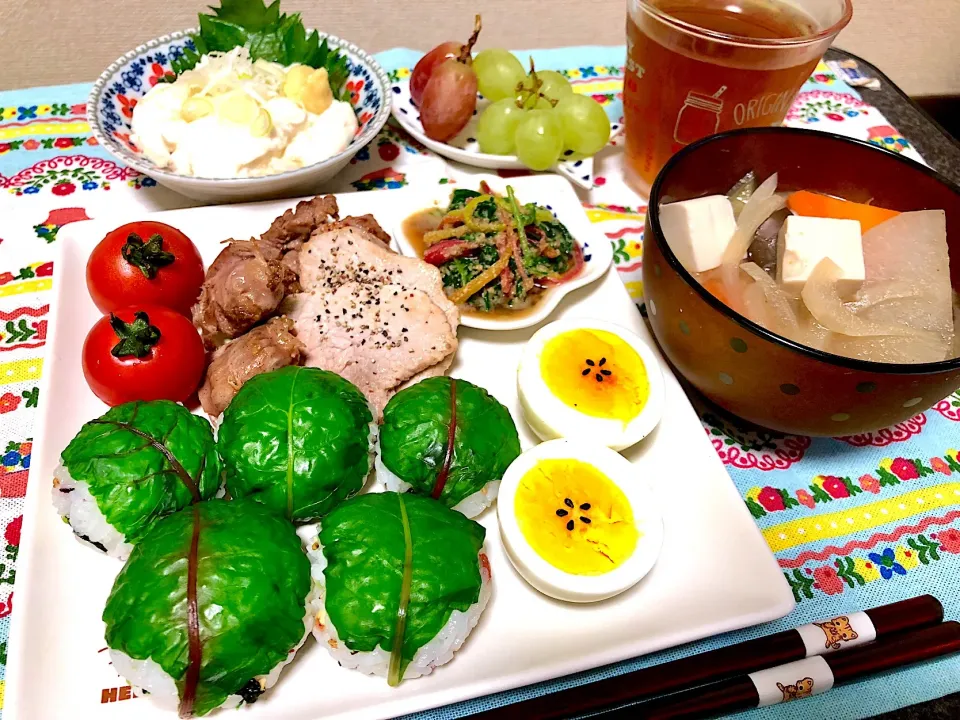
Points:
825	489
827	580
748	448
949	407
881	438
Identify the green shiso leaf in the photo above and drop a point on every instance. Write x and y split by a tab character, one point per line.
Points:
415	433
297	440
268	34
252	582
365	548
133	459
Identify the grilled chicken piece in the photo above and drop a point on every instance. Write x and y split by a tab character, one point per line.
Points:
294	227
250	278
265	348
377	318
243	286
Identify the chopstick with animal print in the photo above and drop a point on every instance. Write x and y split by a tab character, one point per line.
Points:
733	663
800	679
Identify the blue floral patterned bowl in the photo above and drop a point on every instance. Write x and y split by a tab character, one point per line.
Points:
116	92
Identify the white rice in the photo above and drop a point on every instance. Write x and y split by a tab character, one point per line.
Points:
470	506
146	676
72	499
437	652
373	435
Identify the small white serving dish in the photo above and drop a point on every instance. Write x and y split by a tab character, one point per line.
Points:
465	148
557	195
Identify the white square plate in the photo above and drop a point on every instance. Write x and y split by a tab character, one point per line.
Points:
715	572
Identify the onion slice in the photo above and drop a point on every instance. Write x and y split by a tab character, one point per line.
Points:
820	296
761	205
777	300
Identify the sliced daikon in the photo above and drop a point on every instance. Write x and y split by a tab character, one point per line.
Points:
910	250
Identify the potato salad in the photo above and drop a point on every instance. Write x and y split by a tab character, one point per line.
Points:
235	117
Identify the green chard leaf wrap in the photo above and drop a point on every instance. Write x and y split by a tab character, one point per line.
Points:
251	583
297	440
144	460
364	545
419	424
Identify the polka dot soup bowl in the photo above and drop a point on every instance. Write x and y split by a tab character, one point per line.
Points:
748	370
116	93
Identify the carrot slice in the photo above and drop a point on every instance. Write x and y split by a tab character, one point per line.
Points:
811	204
715	288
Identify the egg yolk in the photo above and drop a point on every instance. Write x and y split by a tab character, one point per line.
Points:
575	517
596	373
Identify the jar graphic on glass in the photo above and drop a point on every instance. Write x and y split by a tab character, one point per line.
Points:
699	116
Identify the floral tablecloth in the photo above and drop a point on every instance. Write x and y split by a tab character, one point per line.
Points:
854	522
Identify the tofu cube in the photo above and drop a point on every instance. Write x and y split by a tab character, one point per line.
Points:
699	230
805	241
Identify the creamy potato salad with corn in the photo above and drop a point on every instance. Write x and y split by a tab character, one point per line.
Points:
235	117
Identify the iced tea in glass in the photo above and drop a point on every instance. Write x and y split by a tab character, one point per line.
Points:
699	67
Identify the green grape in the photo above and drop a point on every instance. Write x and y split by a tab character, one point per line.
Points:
586	127
539	139
498	73
497	127
553	85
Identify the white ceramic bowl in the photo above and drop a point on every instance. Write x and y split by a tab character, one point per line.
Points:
110	109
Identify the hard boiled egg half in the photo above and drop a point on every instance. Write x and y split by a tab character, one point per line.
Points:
579	521
590	380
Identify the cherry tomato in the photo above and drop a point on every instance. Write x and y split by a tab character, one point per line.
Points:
144	352
145	263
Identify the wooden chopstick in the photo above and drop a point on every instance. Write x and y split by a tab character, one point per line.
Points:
732	661
800	679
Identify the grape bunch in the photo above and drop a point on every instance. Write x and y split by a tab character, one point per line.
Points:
536	116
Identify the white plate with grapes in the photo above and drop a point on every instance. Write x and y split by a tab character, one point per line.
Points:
488	112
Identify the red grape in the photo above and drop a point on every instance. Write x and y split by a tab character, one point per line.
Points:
428	63
449	100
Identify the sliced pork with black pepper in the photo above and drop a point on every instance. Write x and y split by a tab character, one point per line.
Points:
249	278
377	318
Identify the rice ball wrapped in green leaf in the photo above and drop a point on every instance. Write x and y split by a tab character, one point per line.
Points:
132	466
297	439
400	582
210	606
449	439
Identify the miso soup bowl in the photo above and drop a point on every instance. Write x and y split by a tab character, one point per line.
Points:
757	374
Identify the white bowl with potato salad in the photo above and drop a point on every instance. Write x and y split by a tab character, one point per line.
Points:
235	117
227	124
